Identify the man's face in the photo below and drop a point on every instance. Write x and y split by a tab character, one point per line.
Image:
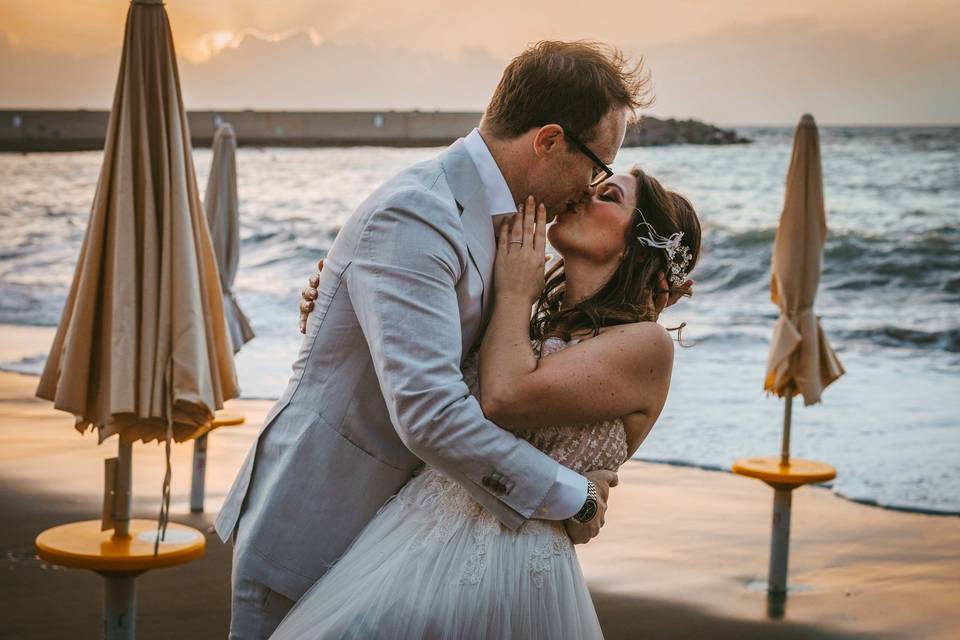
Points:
565	177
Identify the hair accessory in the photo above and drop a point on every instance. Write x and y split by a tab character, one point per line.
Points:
678	256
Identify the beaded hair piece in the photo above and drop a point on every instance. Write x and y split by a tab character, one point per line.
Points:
678	256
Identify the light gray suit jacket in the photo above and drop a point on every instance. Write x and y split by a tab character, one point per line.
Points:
377	388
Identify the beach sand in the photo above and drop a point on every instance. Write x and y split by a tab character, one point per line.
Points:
676	558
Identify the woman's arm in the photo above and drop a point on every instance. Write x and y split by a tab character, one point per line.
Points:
624	370
506	353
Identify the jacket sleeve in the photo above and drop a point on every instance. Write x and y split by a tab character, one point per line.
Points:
402	282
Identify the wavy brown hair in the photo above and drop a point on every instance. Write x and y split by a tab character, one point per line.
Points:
573	84
627	296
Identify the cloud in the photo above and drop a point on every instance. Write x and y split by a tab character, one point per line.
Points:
53	80
766	73
298	72
774	72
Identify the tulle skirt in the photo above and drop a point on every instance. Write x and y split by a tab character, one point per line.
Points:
433	564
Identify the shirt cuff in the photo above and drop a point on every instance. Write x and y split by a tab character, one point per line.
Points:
565	497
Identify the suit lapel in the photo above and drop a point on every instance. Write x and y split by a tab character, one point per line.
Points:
467	188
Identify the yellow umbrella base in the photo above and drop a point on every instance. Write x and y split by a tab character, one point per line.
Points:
82	545
226	419
796	474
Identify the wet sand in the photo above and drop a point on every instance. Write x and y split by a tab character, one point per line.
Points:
676	558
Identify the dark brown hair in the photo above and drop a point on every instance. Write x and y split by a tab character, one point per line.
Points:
572	84
626	296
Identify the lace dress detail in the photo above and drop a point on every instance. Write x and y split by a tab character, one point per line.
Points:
487	580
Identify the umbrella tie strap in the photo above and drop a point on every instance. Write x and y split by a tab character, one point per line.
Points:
800	309
164	518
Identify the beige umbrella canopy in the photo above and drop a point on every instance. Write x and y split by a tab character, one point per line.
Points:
223	217
800	360
142	348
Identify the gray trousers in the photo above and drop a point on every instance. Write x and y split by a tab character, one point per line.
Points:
256	609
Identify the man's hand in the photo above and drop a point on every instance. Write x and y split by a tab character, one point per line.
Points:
307	296
581	533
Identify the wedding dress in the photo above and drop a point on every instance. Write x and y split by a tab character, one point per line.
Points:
434	564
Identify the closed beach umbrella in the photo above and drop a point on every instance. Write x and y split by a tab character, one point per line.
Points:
800	359
142	348
223	217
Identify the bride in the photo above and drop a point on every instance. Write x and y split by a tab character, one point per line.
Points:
584	381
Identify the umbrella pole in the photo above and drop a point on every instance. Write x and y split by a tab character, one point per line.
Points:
120	595
779	540
782	498
198	479
787	419
120	606
121	502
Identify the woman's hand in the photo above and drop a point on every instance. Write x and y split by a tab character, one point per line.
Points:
307	296
521	254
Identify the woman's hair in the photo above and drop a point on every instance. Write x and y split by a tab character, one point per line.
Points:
626	295
572	84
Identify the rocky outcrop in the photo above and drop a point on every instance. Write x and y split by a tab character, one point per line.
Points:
654	132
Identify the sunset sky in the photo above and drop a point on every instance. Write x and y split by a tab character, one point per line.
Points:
730	61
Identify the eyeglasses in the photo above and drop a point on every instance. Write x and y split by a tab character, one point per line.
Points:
600	169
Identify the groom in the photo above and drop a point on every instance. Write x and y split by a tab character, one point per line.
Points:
377	389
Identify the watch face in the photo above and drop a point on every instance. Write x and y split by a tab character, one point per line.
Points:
589	510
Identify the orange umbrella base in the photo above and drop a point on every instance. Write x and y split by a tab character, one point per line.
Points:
796	474
82	545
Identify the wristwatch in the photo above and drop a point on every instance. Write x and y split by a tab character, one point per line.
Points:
589	508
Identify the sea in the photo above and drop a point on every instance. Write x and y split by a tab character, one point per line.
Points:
889	298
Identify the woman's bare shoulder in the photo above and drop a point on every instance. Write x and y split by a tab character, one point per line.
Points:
640	338
636	349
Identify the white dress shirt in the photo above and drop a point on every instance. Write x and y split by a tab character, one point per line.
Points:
569	490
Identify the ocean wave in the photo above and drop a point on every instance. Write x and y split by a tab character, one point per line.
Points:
928	260
30	305
29	365
890	336
903	337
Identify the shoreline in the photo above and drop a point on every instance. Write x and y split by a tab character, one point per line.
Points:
710	468
20	342
827	486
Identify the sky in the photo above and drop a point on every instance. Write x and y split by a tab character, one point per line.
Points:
724	61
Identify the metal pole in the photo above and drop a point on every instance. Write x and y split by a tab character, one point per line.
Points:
787	418
779	541
121	503
119	607
198	479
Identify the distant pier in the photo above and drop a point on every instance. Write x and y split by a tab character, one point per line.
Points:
47	130
35	130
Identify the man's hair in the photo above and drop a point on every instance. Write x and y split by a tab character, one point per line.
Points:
572	84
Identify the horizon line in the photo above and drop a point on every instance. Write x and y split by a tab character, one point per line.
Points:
879	125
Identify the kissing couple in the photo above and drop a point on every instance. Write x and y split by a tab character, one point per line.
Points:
439	448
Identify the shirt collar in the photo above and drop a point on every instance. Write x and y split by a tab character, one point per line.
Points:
496	195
